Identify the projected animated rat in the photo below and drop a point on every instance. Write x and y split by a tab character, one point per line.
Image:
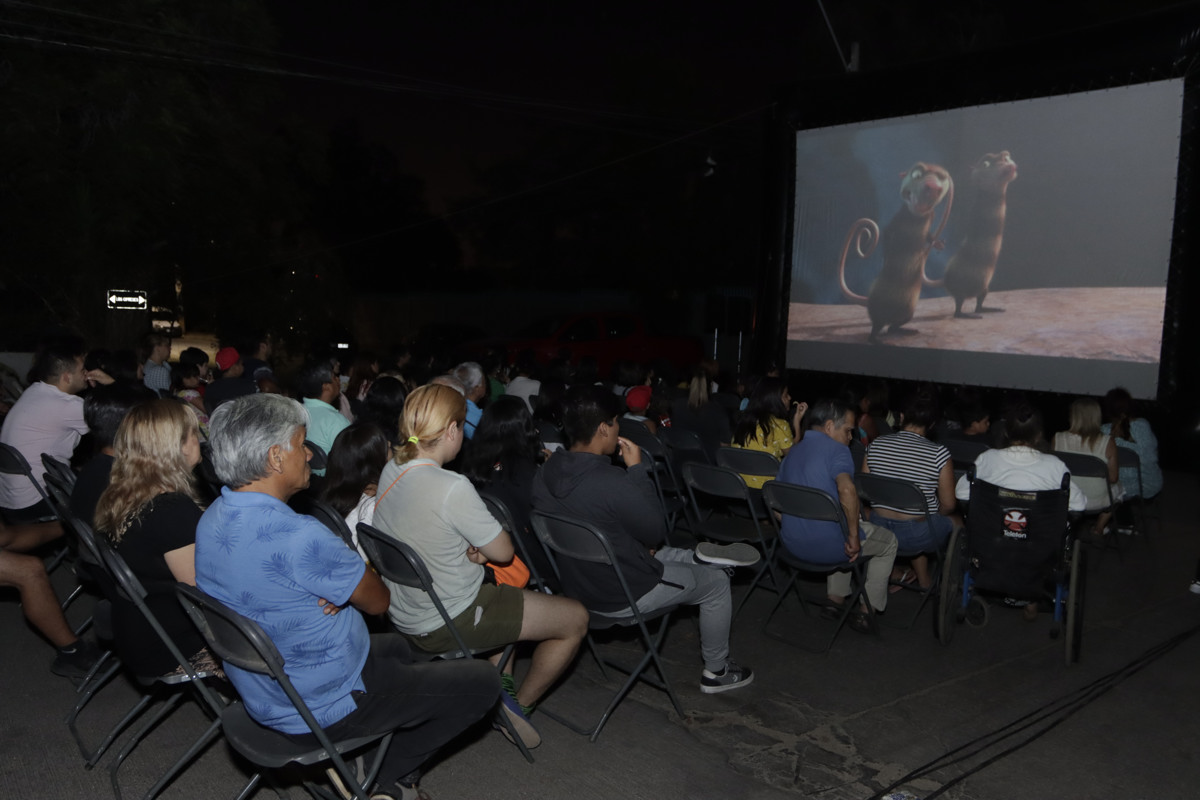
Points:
969	271
906	243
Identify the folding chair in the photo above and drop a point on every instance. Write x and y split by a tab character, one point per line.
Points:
240	641
13	463
400	564
908	498
330	518
569	538
1082	465
683	446
130	588
735	520
963	454
1129	459
802	501
748	462
499	509
667	483
60	470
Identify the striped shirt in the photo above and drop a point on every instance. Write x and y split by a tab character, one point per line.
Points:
910	457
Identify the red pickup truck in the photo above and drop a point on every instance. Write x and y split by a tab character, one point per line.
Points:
606	337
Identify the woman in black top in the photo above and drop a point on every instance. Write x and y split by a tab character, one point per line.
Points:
149	513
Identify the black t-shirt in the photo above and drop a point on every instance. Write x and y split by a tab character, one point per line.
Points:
167	523
226	389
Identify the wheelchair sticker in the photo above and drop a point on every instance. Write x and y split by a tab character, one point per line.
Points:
1015	523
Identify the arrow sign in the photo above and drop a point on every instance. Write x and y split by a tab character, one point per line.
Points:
128	299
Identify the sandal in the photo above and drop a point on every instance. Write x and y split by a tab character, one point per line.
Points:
907	578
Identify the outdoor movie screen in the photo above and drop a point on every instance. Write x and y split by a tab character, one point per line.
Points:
1020	244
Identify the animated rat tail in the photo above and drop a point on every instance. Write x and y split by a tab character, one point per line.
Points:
864	233
935	241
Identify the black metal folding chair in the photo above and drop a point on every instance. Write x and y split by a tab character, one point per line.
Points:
1142	507
128	587
667	483
909	499
500	510
398	563
569	538
60	470
241	642
13	463
330	518
1082	465
802	501
734	518
963	454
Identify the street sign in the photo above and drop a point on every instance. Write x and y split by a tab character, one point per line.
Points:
127	299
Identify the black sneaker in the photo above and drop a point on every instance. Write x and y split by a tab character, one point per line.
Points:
76	661
727	555
732	677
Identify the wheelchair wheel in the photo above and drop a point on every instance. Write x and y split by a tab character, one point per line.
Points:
1075	593
949	610
976	612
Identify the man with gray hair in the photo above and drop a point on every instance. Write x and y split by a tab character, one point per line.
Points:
475	387
298	580
821	460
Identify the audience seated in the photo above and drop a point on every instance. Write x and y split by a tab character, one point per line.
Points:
104	409
149	513
1021	465
383	405
47	418
352	474
156	372
909	456
439	514
27	574
696	413
364	369
637	400
524	385
771	423
1085	437
355	683
185	385
1134	433
582	482
975	423
256	357
319	386
504	457
821	460
475	388
231	382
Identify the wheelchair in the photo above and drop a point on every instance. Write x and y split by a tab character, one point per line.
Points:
1017	545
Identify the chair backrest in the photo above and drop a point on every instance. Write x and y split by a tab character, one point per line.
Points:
894	493
683	444
60	470
1128	458
570	537
1014	537
60	502
1083	465
242	642
962	452
640	435
128	587
330	518
748	462
805	502
724	482
402	565
500	510
13	463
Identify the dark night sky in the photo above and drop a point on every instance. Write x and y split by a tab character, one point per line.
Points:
493	77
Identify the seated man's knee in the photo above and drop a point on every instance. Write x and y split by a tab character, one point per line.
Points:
579	619
20	570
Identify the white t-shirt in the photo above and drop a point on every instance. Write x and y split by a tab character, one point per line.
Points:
363	512
43	420
1024	469
524	388
439	514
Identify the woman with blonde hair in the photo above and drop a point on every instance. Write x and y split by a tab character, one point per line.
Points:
440	515
149	513
1085	436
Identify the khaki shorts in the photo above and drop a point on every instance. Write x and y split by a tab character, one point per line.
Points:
492	621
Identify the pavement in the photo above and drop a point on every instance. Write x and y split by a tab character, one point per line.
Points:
996	714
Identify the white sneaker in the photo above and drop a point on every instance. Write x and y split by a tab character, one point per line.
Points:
727	555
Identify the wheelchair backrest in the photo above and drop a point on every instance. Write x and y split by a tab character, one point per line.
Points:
1015	538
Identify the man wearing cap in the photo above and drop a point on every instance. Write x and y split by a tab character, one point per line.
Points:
637	400
232	382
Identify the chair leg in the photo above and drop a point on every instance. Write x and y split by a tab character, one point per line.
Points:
205	739
164	709
91	685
